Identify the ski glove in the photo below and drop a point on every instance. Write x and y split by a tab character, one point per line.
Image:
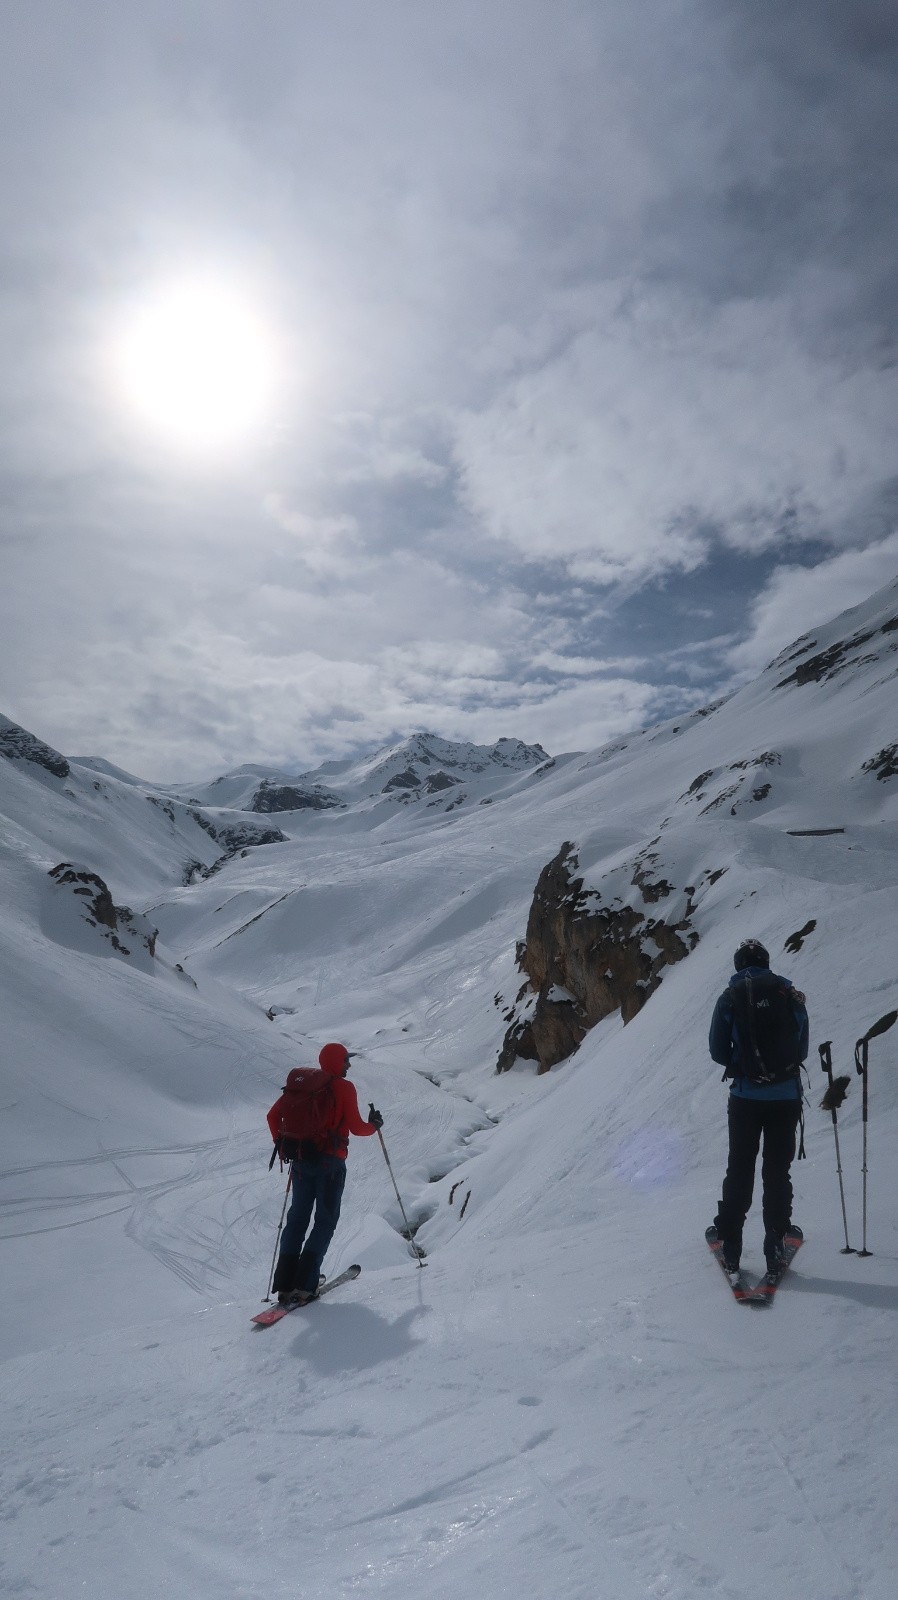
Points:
835	1094
375	1116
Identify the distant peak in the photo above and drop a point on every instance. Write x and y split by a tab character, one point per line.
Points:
17	744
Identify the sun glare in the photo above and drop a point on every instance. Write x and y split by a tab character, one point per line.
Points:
196	366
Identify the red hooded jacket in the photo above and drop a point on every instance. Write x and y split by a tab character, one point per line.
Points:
350	1118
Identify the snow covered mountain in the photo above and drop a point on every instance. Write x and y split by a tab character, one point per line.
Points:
565	1400
422	768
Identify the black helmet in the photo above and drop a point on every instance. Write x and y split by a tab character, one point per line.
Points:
751	953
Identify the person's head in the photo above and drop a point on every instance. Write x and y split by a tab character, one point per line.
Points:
751	953
335	1059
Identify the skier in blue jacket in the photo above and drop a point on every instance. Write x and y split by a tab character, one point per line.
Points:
759	1034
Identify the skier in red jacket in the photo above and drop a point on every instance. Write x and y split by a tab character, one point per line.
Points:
318	1175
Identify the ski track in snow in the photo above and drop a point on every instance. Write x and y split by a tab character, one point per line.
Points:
564	1400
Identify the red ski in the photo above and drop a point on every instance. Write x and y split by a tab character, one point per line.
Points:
742	1289
264	1319
764	1291
761	1293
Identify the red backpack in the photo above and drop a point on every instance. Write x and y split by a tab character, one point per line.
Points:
307	1113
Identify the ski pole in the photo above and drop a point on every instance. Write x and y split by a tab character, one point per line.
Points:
277	1241
834	1096
408	1227
860	1061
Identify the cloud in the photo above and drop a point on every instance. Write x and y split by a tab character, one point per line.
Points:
797	599
305	707
580	307
320	658
662	420
586	666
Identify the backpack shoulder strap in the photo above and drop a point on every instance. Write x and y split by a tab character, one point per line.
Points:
744	1007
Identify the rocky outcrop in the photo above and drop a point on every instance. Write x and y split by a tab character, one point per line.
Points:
284	797
87	895
438	781
17	744
744	792
884	763
236	836
584	959
233	838
233	835
830	662
402	780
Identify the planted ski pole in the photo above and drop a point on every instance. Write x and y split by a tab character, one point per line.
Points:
831	1101
277	1241
860	1060
408	1227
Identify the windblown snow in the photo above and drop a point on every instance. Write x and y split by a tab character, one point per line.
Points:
564	1401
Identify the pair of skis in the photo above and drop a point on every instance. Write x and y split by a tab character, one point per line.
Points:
742	1289
264	1319
747	1293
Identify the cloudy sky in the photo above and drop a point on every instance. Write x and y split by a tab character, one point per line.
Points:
503	367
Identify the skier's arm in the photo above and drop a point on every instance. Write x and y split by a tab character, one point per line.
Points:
352	1119
720	1037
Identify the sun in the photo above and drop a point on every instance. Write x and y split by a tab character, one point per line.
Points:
195	365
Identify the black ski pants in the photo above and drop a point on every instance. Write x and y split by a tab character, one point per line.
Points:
750	1120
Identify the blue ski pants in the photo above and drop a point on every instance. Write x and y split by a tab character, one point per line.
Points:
317	1187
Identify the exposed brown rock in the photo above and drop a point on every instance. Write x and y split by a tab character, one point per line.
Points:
585	961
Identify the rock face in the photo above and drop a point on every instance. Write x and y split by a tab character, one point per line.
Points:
233	838
86	896
17	744
884	763
234	834
837	657
239	835
283	797
403	780
745	791
585	960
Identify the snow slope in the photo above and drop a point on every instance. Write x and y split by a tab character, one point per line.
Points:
565	1400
